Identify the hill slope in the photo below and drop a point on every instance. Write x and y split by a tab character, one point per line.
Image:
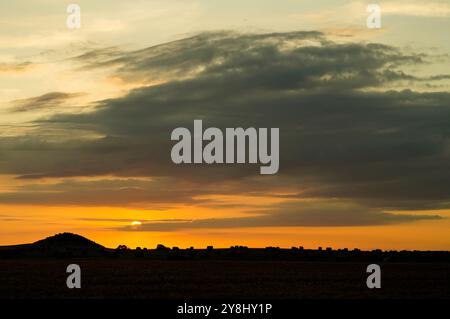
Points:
67	240
64	245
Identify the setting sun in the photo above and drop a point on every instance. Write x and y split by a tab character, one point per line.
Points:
136	223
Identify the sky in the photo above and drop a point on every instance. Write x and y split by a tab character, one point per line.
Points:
86	117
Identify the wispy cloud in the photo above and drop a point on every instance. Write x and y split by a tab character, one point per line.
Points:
15	67
417	8
301	214
45	101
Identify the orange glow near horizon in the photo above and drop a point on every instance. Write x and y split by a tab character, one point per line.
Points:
102	224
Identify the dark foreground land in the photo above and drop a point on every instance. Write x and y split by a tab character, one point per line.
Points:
38	270
221	279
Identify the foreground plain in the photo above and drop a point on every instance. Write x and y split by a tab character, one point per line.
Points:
189	279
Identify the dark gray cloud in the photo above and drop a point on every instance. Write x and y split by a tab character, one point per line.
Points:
344	133
326	214
187	57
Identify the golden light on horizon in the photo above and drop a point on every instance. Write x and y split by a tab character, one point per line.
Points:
136	223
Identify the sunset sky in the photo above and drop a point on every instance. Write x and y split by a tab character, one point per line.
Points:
364	117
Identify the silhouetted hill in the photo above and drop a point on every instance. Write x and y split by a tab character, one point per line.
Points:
65	245
67	240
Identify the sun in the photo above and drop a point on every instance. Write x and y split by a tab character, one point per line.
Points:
136	223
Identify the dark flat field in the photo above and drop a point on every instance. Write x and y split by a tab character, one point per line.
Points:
221	279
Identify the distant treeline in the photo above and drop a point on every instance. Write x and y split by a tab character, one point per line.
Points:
67	245
232	253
